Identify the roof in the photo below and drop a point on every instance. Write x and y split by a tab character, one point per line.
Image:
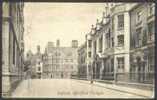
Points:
63	51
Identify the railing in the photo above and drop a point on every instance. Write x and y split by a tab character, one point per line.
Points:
142	77
132	77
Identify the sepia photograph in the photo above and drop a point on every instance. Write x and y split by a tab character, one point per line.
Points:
78	50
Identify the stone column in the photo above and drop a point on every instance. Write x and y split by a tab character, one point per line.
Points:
115	69
5	58
102	68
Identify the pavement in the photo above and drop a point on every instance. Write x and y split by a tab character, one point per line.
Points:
135	91
71	88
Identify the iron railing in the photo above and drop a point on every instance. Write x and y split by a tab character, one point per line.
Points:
134	77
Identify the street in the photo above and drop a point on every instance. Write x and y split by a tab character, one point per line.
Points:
94	50
66	88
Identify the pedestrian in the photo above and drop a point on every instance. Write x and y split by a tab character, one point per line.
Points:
91	79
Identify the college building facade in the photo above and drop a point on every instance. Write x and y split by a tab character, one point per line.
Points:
121	45
60	62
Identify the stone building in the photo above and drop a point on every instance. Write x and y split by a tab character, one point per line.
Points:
121	46
74	44
36	63
12	46
100	59
89	54
59	62
82	66
121	29
142	53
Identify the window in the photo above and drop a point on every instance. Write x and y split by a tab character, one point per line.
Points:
14	51
151	31
120	61
38	68
100	44
112	65
139	37
89	43
113	24
151	9
144	40
151	63
112	42
120	21
108	40
139	14
89	54
95	47
120	40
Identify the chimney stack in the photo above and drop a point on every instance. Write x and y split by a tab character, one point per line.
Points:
58	43
38	48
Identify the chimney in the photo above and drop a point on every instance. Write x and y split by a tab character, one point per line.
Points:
50	44
58	43
38	48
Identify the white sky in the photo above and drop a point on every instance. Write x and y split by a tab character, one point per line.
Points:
65	21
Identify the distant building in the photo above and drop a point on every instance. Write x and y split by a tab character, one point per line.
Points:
59	62
38	63
12	46
50	44
28	64
82	66
39	66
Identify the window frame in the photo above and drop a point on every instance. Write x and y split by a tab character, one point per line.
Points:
121	63
89	43
138	16
118	42
120	21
